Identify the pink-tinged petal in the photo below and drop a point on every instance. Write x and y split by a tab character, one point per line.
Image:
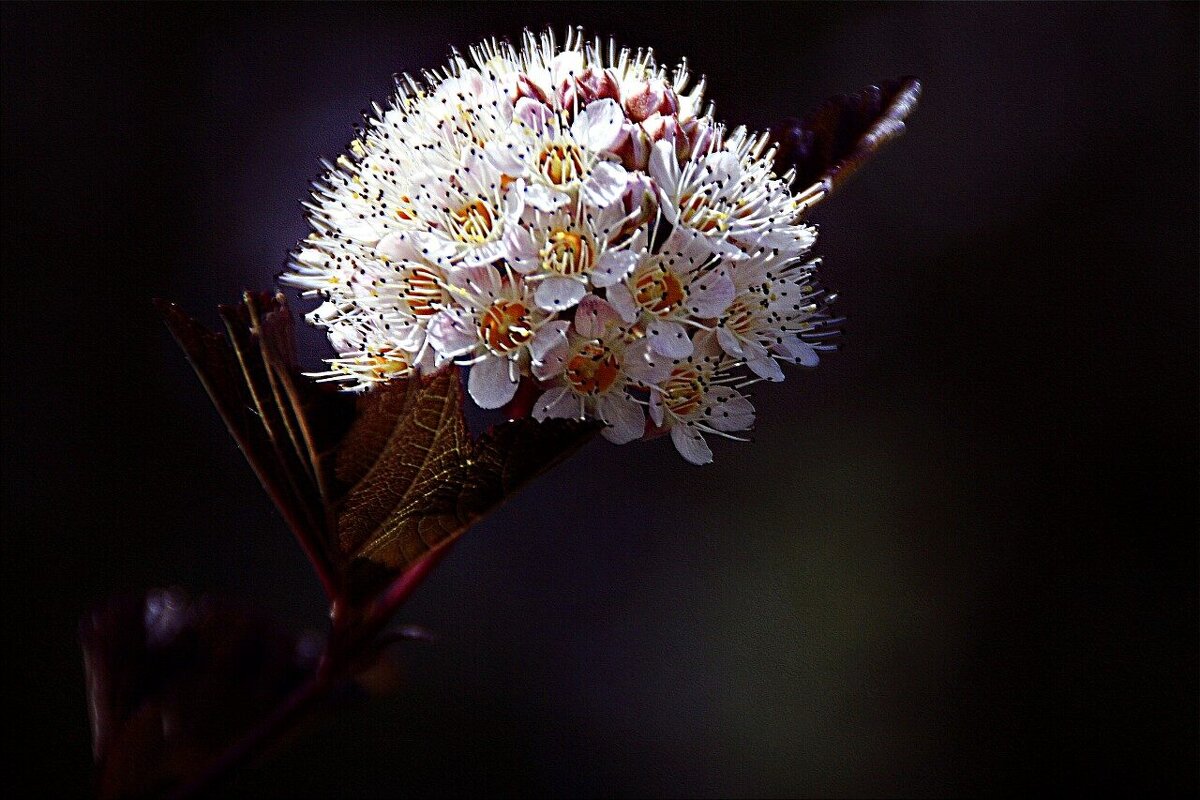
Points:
646	366
626	420
614	266
656	409
565	65
622	300
766	368
644	98
669	338
728	410
552	362
664	168
549	336
606	184
543	198
488	253
709	295
723	167
482	282
594	316
729	342
433	248
521	248
491	383
450	336
706	345
555	404
507	157
691	445
397	246
598	128
532	113
558	293
797	349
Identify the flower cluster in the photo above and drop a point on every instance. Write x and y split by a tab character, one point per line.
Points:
566	217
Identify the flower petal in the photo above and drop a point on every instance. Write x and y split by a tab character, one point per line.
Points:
728	410
599	126
626	420
691	445
613	266
490	383
558	293
669	338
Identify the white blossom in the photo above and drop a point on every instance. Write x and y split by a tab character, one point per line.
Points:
570	216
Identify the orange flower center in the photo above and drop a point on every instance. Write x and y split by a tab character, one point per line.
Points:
593	370
697	213
658	291
473	222
421	292
561	164
683	392
740	317
568	253
505	326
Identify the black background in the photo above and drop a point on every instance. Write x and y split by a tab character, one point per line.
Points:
960	557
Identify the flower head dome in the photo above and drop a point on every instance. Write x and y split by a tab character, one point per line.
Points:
566	215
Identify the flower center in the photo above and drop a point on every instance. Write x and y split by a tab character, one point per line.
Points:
421	291
568	253
593	370
697	212
740	317
561	164
658	291
404	210
473	222
683	392
505	326
388	364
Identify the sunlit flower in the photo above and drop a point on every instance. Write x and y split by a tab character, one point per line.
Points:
568	216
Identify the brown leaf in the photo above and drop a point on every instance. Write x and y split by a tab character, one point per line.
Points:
841	134
367	498
417	478
284	423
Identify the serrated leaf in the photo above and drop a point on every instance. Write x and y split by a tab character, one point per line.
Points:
837	137
370	484
418	479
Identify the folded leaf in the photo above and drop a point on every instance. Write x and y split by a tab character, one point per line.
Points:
370	484
417	478
844	132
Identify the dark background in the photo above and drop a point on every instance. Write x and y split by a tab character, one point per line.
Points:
960	557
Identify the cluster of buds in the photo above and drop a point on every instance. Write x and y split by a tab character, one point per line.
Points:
568	218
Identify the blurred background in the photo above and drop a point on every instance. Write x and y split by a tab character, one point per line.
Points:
959	558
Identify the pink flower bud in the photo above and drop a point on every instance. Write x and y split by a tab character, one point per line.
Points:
649	97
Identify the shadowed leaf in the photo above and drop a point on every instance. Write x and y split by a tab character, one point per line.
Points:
284	423
173	681
369	484
417	478
844	132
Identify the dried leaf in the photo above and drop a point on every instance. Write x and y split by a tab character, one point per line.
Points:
173	681
417	478
284	423
368	498
844	132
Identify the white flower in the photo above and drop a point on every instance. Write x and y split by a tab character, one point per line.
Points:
695	399
497	332
778	302
570	216
672	290
592	369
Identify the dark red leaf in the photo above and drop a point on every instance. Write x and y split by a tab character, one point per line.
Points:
844	132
